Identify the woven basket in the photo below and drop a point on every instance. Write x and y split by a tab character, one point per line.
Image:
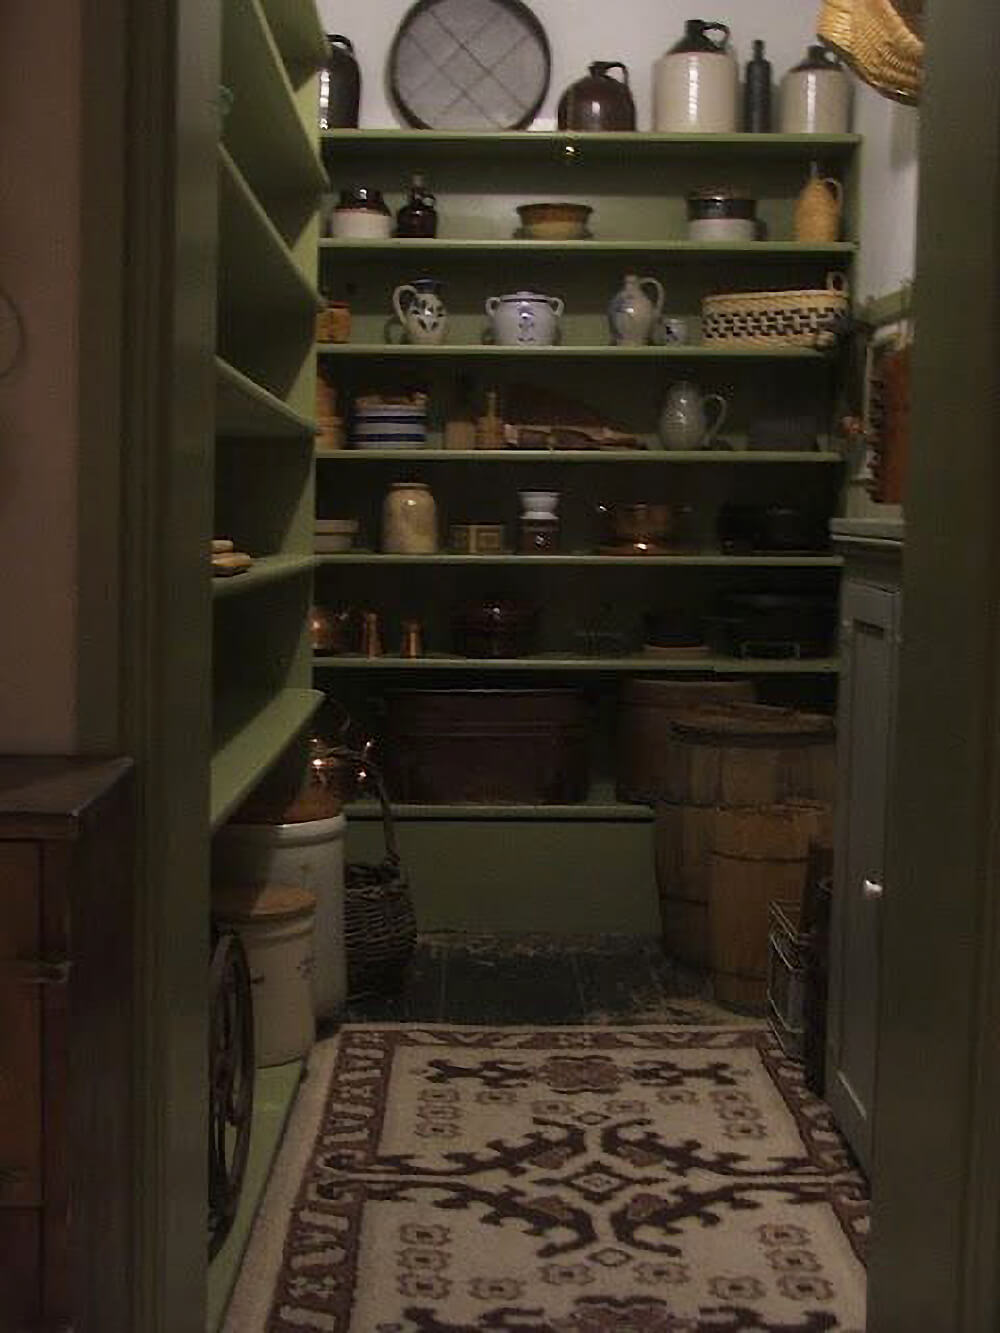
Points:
380	926
881	42
807	318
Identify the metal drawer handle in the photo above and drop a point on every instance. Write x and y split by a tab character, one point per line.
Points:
36	972
871	888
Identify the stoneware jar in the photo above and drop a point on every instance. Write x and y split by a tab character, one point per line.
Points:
721	215
421	311
409	519
817	209
816	96
696	84
684	421
632	314
525	319
361	215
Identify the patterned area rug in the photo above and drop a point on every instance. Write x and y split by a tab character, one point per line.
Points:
601	1180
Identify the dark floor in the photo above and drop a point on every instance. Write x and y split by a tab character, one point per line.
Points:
526	979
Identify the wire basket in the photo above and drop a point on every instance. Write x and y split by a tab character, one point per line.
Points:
811	317
380	925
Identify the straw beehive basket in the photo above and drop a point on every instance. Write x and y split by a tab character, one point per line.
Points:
810	317
882	41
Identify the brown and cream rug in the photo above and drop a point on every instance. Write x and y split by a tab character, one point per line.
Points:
572	1180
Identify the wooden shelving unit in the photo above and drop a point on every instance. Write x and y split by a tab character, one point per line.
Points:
270	176
636	185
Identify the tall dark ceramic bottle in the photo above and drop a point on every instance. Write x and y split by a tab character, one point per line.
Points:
757	92
339	85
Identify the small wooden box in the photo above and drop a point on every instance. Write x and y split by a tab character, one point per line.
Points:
478	538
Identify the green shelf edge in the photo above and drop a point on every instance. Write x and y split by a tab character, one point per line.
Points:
699	560
298	291
584	812
245	409
673	353
557	249
259	736
275	1090
605	143
264	571
730	457
714	666
298	33
264	102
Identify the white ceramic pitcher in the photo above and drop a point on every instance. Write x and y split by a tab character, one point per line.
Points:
684	419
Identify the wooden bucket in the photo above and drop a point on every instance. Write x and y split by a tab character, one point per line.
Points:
759	856
734	757
646	710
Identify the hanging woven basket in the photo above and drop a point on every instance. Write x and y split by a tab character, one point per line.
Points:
881	40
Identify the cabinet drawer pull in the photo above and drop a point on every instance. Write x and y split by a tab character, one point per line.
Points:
35	972
870	888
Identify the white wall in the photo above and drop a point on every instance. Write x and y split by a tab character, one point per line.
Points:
579	31
888	192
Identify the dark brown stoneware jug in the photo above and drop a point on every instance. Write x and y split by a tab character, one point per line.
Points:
598	102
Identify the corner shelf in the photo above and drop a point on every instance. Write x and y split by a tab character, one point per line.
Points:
682	251
486	351
559	146
263	131
556	662
697	560
726	457
257	271
297	31
264	570
245	409
250	734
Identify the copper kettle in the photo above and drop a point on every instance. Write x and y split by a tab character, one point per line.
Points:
598	102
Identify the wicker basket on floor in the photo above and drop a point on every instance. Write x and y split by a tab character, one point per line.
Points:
812	317
380	925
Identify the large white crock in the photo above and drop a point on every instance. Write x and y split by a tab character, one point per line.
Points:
524	319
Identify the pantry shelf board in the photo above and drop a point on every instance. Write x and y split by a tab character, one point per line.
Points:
699	352
257	271
616	811
245	409
264	571
556	250
297	31
435	145
263	129
715	666
729	457
250	732
696	559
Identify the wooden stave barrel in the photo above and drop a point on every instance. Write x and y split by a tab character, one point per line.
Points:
740	774
760	855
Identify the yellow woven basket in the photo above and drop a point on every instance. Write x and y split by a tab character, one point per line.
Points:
810	317
881	42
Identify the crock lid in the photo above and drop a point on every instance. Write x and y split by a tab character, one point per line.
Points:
261	902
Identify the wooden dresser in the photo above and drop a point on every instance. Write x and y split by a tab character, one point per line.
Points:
66	1040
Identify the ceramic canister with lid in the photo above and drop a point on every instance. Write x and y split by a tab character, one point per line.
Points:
275	924
721	215
409	519
816	95
696	83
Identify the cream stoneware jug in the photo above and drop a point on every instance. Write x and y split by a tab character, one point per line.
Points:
696	83
684	419
631	313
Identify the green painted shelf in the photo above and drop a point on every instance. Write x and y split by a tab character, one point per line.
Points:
257	271
714	666
729	457
263	130
433	145
265	570
698	559
275	1090
249	735
596	809
245	409
681	250
700	352
297	32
